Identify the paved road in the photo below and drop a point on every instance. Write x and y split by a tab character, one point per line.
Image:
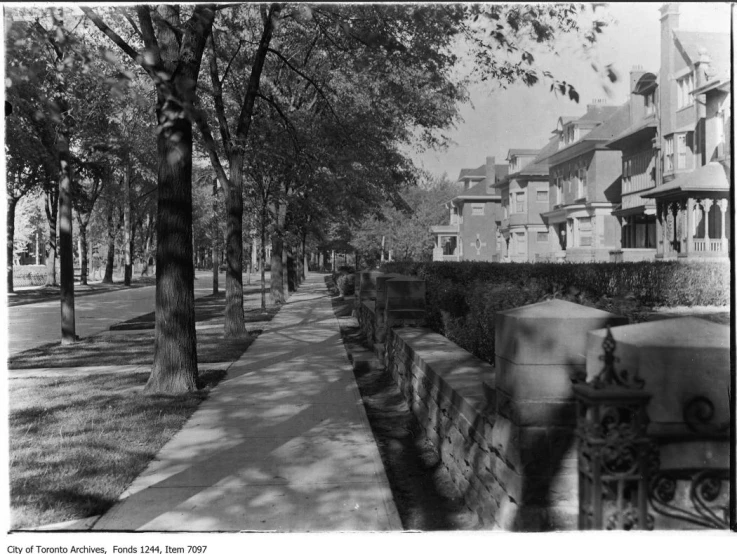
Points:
32	325
282	444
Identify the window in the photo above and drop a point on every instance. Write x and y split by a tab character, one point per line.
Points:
685	88
681	148
650	103
520	199
584	231
582	182
542	195
542	236
668	154
521	243
477	209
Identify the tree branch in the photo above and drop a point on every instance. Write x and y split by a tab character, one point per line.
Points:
130	20
115	37
290	125
211	147
308	79
217	96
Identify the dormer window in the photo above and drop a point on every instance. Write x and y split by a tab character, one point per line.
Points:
571	134
685	88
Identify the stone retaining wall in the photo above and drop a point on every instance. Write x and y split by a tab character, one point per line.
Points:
504	437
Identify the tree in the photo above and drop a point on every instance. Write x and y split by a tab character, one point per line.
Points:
234	133
171	55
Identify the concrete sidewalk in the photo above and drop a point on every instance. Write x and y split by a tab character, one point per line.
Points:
282	444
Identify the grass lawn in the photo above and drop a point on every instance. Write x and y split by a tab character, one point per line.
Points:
44	294
77	441
134	345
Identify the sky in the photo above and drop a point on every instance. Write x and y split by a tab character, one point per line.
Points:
524	117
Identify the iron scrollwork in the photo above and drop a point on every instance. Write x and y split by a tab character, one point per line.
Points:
697	497
613	448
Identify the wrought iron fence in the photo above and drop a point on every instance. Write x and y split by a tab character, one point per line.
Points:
621	481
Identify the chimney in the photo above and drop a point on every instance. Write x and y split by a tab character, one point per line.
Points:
669	20
637	102
490	174
635	73
702	68
597	103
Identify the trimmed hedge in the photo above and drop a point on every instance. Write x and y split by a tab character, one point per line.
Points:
29	275
650	283
462	297
345	280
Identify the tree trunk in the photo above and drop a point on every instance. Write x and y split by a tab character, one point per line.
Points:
111	232
66	246
174	369
215	235
305	258
235	324
83	250
52	211
127	224
262	262
12	202
277	270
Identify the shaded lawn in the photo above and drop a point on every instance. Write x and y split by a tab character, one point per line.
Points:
136	348
77	442
44	294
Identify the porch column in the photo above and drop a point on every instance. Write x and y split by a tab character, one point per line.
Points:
672	237
658	227
689	224
723	205
708	203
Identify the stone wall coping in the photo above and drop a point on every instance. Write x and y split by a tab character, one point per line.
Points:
466	375
682	332
555	309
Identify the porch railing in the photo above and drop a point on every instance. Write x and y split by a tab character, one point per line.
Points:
709	245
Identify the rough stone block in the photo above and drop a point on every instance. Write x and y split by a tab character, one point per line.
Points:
381	288
367	284
531	413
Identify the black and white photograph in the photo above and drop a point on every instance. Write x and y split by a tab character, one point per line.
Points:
376	272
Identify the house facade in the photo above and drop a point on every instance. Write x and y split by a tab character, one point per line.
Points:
522	234
585	186
636	214
471	230
693	220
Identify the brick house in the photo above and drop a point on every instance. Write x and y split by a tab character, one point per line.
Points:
522	234
471	230
585	186
693	220
636	214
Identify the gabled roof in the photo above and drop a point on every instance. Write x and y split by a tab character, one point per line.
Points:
707	178
597	114
478	172
522	152
539	166
644	128
617	122
480	189
715	44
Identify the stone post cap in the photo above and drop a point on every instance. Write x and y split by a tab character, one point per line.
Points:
552	332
